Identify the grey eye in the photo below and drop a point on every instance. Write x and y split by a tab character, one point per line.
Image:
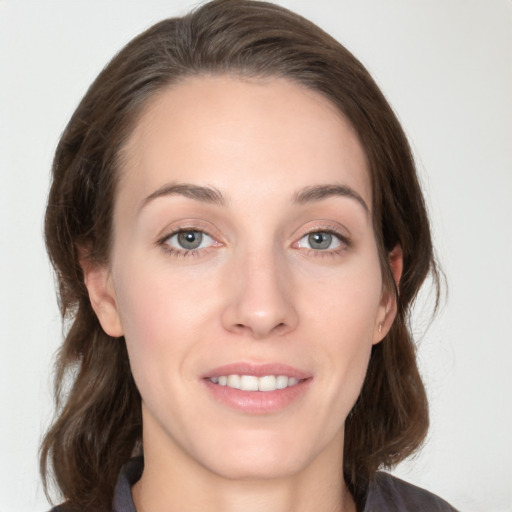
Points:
189	240
320	241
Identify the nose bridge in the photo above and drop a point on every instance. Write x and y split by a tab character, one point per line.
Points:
262	303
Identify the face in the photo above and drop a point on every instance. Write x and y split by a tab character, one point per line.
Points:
244	275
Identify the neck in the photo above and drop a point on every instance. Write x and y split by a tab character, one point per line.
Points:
251	496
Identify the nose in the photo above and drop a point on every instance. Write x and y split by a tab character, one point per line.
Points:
261	299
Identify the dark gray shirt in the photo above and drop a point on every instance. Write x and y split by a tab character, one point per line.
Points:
385	494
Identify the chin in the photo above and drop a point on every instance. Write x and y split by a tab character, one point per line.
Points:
261	457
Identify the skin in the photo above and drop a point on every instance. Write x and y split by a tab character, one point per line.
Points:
255	291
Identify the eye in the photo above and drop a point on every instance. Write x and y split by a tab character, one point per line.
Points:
320	241
189	240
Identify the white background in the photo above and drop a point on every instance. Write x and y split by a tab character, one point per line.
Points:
445	66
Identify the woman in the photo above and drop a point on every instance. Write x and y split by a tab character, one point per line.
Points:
238	233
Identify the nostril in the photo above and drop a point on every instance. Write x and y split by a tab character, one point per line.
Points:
280	327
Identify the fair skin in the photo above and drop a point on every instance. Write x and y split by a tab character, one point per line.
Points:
243	237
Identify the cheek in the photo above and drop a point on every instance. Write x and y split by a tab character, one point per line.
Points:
345	301
166	314
154	301
161	318
340	317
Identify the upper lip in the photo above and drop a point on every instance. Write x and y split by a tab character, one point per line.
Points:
256	369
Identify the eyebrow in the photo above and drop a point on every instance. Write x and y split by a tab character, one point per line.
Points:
320	192
212	195
197	192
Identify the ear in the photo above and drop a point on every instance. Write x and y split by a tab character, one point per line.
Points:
98	281
388	302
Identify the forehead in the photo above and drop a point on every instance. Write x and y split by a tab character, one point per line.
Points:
225	130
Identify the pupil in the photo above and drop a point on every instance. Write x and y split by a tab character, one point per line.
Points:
320	240
190	239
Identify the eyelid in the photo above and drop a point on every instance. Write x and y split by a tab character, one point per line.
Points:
341	233
183	226
334	235
324	227
177	233
188	224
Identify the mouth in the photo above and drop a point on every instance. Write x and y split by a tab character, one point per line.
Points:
265	383
257	388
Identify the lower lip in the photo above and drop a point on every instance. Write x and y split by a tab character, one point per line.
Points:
257	402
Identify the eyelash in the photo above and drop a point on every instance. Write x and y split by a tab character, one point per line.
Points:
185	253
344	242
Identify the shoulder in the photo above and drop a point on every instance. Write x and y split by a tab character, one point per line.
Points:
122	499
388	493
64	507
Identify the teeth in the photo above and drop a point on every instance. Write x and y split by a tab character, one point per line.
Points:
249	383
253	383
233	381
268	383
281	382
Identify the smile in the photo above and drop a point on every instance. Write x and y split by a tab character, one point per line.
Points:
253	383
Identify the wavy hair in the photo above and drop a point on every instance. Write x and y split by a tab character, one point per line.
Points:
98	422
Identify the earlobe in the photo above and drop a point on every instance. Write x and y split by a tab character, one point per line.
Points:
388	304
98	281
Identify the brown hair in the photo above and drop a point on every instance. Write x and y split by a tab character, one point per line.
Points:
98	424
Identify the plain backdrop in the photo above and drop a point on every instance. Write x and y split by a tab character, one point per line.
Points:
446	68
